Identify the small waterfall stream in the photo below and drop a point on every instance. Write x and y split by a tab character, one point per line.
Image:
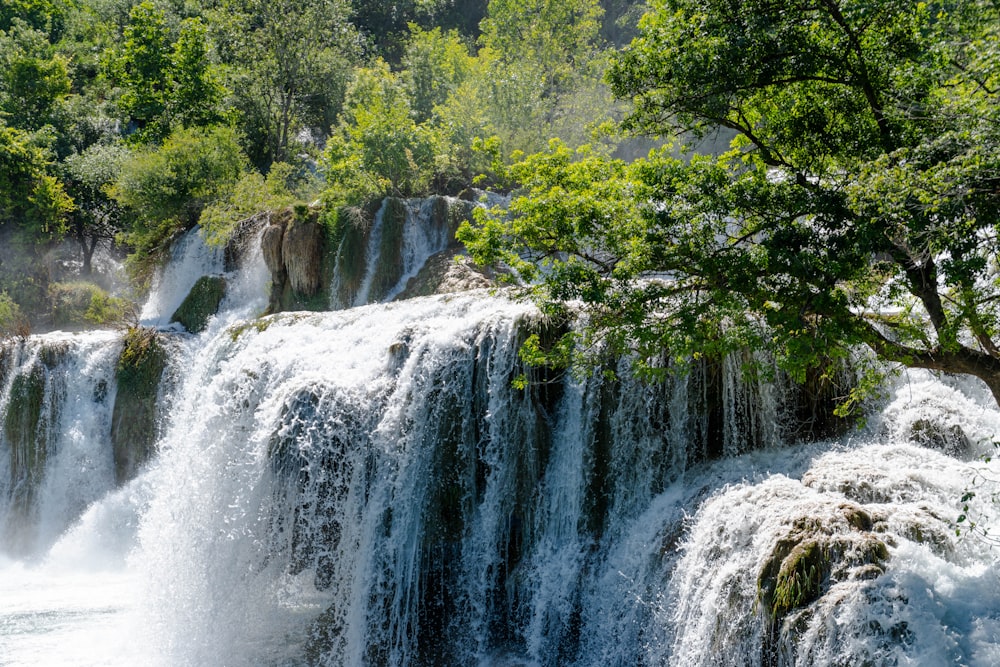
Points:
368	487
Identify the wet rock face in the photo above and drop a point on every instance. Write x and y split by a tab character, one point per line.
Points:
271	246
201	303
948	438
25	433
134	418
302	255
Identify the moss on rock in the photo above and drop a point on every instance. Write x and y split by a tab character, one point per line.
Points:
390	251
350	229
201	303
133	421
25	433
816	553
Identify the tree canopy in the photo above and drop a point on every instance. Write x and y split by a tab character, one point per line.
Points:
112	113
860	202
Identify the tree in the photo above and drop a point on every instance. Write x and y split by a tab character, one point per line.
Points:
291	62
435	64
33	80
166	189
378	149
142	69
196	92
13	323
44	15
386	24
29	196
165	84
97	217
860	203
537	53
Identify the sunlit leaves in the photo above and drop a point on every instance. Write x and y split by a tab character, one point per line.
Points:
29	196
860	202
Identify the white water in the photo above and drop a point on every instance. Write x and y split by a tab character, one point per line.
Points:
366	487
190	259
421	237
74	373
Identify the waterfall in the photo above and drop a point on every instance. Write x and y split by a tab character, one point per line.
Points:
240	265
55	399
370	487
404	235
190	259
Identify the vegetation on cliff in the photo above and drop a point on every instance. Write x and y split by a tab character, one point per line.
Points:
134	417
125	124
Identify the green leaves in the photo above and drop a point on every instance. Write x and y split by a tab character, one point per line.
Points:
378	148
163	84
29	196
166	189
859	202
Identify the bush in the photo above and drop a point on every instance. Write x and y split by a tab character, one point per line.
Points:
167	189
80	303
253	193
13	324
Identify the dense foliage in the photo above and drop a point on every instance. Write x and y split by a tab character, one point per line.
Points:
860	203
123	124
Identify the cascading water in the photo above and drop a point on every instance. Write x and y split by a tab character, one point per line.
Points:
55	400
191	258
368	487
404	235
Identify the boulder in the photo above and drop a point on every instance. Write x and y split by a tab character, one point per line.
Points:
201	303
447	272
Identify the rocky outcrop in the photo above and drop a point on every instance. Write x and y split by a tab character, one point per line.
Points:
400	249
817	552
391	249
270	242
302	254
447	272
201	303
948	438
134	418
295	246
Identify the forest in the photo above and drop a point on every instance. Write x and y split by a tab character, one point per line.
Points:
124	123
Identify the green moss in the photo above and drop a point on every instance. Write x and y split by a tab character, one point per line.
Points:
390	264
348	231
800	578
133	420
261	325
25	430
201	303
815	553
